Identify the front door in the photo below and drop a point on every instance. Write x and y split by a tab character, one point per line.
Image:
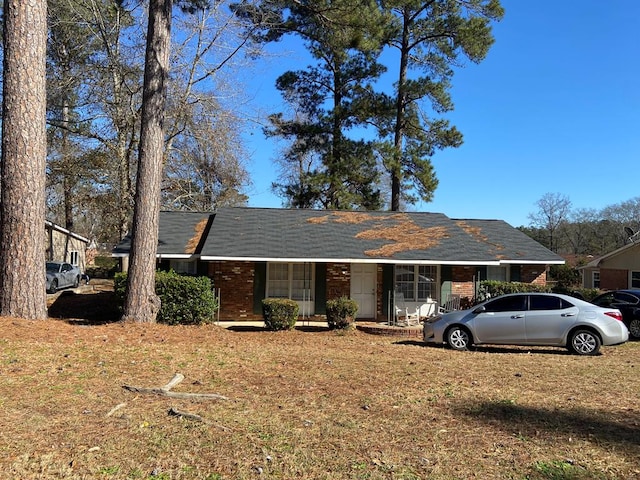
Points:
363	288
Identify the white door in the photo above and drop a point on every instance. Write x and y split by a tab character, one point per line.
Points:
363	288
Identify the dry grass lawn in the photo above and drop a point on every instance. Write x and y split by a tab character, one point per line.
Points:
305	404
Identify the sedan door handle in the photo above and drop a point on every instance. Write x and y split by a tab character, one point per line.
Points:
568	315
517	316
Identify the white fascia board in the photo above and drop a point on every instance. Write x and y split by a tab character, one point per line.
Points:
172	256
343	260
66	232
532	262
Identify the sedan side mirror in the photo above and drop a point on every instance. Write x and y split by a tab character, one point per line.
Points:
480	309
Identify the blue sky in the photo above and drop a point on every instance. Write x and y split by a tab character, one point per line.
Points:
554	108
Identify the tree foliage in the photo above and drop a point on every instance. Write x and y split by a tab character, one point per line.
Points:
326	165
344	121
431	38
582	232
95	68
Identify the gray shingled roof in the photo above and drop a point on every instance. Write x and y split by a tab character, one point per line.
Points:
381	237
318	235
180	234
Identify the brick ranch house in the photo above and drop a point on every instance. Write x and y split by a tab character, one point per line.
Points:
315	255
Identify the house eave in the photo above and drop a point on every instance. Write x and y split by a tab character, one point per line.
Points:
65	231
390	261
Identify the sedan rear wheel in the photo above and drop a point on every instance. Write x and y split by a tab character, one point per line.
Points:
634	328
584	342
458	338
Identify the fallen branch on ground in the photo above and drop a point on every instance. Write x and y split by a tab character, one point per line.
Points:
174	412
166	391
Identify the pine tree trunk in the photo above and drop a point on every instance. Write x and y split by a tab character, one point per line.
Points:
24	150
142	303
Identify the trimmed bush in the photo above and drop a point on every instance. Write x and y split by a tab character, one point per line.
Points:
279	313
492	288
341	312
186	300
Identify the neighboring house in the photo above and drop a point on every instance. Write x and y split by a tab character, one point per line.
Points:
315	255
65	246
615	270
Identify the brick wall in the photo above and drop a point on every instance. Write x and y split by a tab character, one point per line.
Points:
462	282
235	281
536	274
338	280
463	277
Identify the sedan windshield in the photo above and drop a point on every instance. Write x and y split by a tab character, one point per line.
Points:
53	267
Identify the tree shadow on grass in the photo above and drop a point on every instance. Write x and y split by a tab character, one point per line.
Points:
620	428
85	309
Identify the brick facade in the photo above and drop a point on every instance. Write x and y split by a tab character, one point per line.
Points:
338	280
235	280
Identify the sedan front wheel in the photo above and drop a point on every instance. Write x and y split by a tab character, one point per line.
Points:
584	342
458	338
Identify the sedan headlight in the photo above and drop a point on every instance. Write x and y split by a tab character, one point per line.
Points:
433	319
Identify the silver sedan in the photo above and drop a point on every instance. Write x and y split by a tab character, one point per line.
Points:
543	319
61	275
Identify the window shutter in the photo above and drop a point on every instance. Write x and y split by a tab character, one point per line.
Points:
259	285
320	303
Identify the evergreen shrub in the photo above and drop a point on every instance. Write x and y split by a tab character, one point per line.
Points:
341	312
279	313
185	300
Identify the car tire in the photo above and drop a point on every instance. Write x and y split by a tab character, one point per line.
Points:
76	282
634	327
458	338
584	342
53	288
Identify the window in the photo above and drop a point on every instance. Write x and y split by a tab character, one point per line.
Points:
635	279
547	302
73	258
290	280
498	274
416	282
595	276
516	303
182	266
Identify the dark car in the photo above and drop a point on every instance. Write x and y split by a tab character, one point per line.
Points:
628	302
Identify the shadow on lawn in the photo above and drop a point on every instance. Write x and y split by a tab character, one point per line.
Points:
85	309
262	328
492	349
620	428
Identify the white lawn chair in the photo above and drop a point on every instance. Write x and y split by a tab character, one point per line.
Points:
405	316
452	303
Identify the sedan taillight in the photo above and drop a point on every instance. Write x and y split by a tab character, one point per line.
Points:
614	314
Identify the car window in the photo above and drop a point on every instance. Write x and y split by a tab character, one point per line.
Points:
623	297
604	300
513	303
547	302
